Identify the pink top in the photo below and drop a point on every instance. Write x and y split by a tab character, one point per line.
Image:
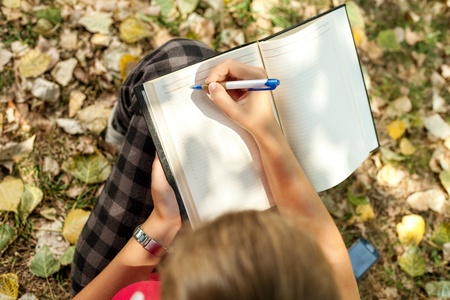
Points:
144	290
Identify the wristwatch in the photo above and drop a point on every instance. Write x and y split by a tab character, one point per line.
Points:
148	243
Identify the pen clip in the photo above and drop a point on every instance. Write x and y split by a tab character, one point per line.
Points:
270	84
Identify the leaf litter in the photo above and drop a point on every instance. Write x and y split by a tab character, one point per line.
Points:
63	62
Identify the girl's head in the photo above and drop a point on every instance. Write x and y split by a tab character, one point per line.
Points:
247	255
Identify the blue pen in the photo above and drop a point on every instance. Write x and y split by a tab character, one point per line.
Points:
250	85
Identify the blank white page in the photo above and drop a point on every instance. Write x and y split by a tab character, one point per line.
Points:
219	161
324	111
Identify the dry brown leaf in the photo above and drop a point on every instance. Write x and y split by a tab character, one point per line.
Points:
432	199
437	126
63	71
46	90
76	100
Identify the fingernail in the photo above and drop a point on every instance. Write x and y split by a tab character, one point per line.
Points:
212	86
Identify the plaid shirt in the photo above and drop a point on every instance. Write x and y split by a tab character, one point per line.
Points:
125	201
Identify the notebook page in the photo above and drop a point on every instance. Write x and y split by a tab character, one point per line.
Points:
315	101
219	160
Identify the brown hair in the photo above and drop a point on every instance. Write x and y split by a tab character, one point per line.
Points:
247	255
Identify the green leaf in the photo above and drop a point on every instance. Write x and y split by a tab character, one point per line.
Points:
413	262
355	15
440	289
31	198
44	263
187	6
444	176
7	234
92	168
166	6
441	234
51	14
357	200
67	257
388	40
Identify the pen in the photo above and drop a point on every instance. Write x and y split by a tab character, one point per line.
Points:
251	85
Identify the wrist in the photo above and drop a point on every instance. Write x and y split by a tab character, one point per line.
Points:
160	230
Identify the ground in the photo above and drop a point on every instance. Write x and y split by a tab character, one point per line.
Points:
404	48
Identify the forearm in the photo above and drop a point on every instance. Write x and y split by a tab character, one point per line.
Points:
132	264
296	198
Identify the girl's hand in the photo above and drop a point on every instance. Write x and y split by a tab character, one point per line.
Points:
250	110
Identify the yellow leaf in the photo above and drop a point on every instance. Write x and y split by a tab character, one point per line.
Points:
359	36
127	63
11	190
73	225
34	63
132	30
365	212
396	129
411	229
9	285
406	147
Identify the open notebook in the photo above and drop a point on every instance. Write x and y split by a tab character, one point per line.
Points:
321	104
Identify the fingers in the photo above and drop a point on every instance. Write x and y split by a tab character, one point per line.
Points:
232	70
223	100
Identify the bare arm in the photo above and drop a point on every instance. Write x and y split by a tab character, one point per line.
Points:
292	191
133	263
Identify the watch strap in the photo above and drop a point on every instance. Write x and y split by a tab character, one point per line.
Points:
149	244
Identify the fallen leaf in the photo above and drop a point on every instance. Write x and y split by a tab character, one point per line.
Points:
410	231
49	234
441	235
9	286
133	30
365	212
68	39
433	199
387	39
444	176
31	198
440	160
11	190
67	258
127	64
437	126
99	39
94	118
187	6
445	252
97	22
5	57
28	296
44	263
389	155
50	166
11	3
439	103
17	150
439	289
74	224
406	147
7	234
412	37
76	100
396	129
63	71
70	126
46	90
45	28
390	175
92	168
33	63
413	262
445	71
49	213
401	106
51	14
355	15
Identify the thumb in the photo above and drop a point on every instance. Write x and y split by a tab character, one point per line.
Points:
221	98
